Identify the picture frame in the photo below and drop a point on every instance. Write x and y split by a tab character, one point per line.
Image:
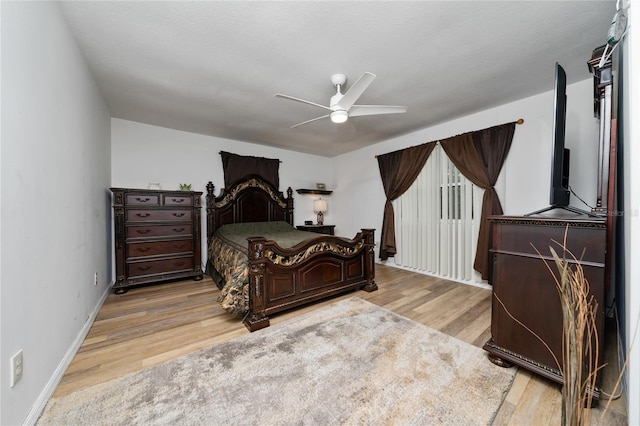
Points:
321	186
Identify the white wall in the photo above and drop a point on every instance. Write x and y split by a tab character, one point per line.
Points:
525	177
55	207
143	153
631	136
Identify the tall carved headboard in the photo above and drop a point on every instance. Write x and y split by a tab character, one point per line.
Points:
249	200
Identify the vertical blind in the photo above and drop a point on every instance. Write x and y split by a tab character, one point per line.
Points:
437	220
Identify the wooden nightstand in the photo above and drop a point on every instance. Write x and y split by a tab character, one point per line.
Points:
320	229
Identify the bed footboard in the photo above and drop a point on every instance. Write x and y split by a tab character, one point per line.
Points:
280	278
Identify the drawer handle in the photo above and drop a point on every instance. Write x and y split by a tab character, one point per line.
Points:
178	200
178	229
178	214
179	263
180	247
143	231
143	268
143	200
143	249
143	214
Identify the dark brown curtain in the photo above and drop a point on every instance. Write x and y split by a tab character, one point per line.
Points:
479	156
398	170
236	167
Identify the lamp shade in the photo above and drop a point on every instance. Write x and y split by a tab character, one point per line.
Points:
320	205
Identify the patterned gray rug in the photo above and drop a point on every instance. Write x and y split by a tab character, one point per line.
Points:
349	363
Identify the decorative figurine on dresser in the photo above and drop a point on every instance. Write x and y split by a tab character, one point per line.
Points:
157	236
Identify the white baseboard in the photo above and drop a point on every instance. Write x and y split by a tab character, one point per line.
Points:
56	377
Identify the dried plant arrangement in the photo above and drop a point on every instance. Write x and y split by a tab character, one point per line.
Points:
580	351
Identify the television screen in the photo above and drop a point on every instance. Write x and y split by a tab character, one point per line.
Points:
560	155
560	190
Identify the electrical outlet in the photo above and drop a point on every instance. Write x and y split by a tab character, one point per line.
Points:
95	278
16	367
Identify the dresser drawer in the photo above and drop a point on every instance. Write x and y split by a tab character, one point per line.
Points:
151	267
178	200
170	230
142	199
155	248
527	238
140	215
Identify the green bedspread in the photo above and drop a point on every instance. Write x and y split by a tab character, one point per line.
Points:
281	232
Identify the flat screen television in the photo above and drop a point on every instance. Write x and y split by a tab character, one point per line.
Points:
560	158
559	196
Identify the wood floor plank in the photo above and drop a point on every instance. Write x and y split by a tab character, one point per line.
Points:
158	323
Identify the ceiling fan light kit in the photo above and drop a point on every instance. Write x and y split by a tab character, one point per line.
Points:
339	116
343	105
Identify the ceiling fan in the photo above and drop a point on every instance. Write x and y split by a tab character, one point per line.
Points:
342	106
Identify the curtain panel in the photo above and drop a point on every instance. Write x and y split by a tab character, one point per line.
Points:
236	167
479	156
398	171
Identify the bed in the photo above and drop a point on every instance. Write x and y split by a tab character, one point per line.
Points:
277	267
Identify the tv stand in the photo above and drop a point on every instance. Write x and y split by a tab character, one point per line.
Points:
526	312
567	208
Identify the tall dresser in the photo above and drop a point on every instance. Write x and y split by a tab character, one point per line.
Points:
157	236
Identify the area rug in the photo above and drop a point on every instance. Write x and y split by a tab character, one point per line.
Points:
351	362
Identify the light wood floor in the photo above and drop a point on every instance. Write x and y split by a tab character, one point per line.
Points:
149	325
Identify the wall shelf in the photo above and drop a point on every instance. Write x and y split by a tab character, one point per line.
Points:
314	191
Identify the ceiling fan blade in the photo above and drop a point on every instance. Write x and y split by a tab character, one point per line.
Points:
358	110
309	121
354	92
280	95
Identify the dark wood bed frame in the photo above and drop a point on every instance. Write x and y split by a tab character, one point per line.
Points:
281	278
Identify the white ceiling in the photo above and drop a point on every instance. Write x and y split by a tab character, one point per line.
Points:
213	67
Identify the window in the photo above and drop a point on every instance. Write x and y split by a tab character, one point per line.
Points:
453	194
435	223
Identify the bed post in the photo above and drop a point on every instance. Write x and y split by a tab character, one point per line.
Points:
369	260
256	318
211	198
289	211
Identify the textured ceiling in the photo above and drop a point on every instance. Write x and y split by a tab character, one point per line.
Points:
214	67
